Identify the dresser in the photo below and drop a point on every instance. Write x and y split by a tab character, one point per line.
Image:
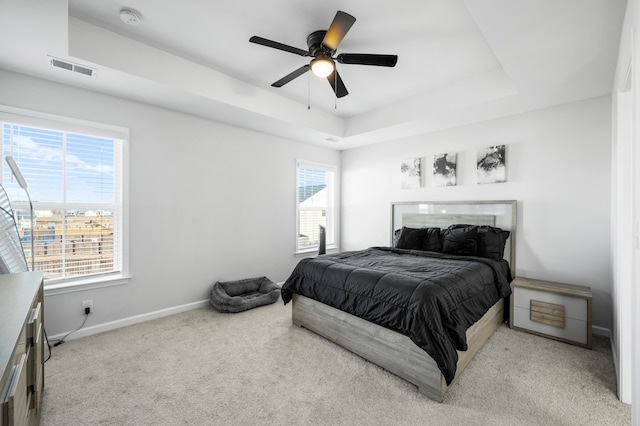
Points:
21	348
555	310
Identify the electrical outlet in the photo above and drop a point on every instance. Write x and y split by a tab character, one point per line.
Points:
87	304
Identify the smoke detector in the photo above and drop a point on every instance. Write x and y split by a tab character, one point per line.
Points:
130	16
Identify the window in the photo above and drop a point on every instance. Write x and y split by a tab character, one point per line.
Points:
315	205
74	180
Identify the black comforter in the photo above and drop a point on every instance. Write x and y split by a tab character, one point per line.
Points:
431	297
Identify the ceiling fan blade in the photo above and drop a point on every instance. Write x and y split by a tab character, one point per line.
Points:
279	46
368	59
335	80
341	24
287	78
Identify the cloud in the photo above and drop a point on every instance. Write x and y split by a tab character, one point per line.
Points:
28	148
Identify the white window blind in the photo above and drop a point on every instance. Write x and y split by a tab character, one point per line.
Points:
315	204
75	184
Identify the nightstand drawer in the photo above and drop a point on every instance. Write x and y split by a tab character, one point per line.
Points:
573	307
555	310
573	329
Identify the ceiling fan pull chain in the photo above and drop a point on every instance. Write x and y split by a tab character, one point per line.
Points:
335	88
309	91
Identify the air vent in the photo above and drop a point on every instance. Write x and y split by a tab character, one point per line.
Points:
61	64
83	70
65	65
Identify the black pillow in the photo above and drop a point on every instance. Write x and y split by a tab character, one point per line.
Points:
460	240
412	238
427	239
432	241
491	242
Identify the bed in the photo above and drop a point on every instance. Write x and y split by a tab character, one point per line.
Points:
422	307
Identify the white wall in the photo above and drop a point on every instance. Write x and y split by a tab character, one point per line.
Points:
208	202
558	166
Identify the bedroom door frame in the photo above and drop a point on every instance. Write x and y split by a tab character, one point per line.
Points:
625	229
635	283
622	238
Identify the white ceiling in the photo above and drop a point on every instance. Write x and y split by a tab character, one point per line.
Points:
460	61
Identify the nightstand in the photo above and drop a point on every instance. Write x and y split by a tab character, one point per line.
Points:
554	310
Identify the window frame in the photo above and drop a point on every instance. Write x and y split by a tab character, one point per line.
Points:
72	125
331	221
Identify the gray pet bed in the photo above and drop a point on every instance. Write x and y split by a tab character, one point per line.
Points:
237	296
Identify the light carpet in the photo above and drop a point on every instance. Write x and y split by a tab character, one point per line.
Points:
202	367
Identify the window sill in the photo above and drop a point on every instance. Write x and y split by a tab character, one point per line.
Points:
314	251
71	286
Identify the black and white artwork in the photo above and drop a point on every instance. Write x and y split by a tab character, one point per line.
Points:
444	169
410	173
492	166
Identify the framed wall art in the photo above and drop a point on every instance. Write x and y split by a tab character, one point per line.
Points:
444	169
410	173
492	164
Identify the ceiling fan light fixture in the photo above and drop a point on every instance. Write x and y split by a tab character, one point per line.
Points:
322	66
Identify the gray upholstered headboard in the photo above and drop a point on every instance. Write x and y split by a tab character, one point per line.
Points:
441	214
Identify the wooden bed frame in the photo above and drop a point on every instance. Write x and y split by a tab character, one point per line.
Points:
394	351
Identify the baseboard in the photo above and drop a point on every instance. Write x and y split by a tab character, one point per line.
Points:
601	331
616	368
113	325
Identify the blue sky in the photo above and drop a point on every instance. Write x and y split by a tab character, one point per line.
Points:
88	163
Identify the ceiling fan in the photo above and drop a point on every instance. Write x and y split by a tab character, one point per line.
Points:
322	46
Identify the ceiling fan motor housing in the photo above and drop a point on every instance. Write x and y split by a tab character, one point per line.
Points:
314	42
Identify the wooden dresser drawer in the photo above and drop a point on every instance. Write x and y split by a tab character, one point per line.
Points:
556	310
15	405
21	348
